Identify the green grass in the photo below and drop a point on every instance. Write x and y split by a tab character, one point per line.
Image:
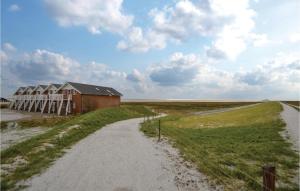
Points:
38	159
187	107
44	122
3	124
232	147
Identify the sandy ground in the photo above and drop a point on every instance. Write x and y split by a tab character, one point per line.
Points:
14	115
120	158
10	115
13	134
291	117
214	111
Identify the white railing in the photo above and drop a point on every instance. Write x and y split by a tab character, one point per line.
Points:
53	97
56	96
41	97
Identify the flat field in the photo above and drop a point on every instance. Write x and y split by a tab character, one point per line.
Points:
185	107
231	147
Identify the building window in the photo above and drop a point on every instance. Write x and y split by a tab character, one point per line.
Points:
74	105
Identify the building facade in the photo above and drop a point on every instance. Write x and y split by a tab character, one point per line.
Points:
64	99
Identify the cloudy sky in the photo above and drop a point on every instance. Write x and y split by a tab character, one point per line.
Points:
188	49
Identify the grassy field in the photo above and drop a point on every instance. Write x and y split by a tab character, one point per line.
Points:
30	157
232	147
187	107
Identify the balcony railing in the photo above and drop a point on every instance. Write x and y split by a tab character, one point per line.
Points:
53	97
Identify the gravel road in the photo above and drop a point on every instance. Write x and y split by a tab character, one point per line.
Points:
291	117
120	158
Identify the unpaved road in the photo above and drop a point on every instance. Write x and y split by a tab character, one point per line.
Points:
119	158
291	117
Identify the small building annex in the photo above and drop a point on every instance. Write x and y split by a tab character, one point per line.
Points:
68	98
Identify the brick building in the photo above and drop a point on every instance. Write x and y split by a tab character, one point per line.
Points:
68	98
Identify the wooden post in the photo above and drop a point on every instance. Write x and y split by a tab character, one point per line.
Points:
159	130
269	175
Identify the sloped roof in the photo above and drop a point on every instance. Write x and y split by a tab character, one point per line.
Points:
19	89
56	85
94	90
43	86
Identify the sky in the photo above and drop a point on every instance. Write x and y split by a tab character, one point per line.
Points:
158	49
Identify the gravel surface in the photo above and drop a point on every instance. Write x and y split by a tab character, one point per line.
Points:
291	117
120	158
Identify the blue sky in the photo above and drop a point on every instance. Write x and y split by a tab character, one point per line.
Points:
202	49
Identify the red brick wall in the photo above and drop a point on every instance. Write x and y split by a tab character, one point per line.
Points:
76	101
86	103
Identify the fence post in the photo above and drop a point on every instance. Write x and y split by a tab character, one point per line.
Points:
159	130
269	175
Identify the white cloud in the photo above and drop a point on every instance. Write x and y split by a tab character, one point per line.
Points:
277	78
180	69
294	37
8	47
229	23
137	41
181	76
3	57
14	8
95	15
135	76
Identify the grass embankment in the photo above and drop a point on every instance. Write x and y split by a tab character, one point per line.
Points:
232	147
30	157
187	107
38	122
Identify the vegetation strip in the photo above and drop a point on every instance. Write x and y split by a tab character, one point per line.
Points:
232	147
30	157
188	107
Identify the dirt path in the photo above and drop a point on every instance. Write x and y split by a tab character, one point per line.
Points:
120	158
291	117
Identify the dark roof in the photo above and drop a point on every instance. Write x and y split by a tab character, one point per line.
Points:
43	86
32	87
4	99
94	90
20	88
57	85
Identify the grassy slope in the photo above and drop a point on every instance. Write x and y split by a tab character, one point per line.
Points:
232	147
39	159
